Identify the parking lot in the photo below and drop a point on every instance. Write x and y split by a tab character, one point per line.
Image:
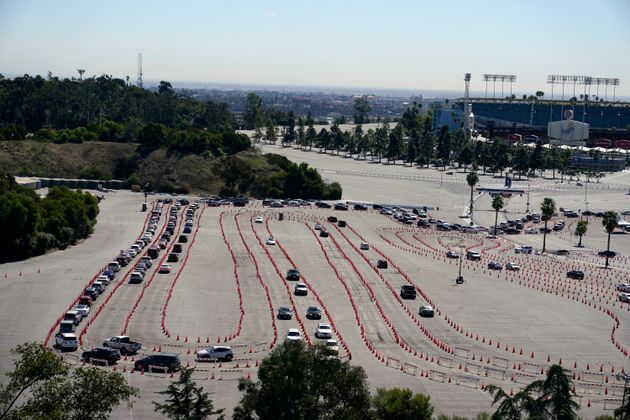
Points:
500	326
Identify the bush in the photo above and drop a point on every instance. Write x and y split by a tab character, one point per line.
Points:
136	188
333	191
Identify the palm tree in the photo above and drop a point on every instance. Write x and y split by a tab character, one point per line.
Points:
472	178
548	208
497	204
580	230
610	223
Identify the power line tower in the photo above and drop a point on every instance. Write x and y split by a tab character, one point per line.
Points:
81	71
139	83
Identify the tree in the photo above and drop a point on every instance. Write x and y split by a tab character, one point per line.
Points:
444	144
465	155
362	109
427	143
497	204
510	407
253	111
580	230
548	208
401	404
289	130
536	160
555	394
44	387
270	133
553	398
472	179
186	400
296	381
609	221
521	161
395	145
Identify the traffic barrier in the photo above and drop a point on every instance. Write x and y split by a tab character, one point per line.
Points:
467	381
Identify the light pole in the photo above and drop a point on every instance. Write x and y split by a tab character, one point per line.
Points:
625	378
527	211
461	255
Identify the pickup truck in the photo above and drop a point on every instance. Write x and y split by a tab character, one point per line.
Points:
123	343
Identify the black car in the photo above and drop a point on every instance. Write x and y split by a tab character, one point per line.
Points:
422	223
322	205
285	313
109	273
239	202
182	239
562	252
407	291
607	254
153	252
184	201
168	361
588	213
341	206
360	207
381	264
323	233
599	214
177	248
103	355
172	258
313	312
293	274
341	223
575	274
493	265
332	219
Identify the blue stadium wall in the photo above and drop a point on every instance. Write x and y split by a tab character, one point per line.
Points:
600	116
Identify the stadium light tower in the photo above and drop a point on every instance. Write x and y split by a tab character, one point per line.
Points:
467	110
510	78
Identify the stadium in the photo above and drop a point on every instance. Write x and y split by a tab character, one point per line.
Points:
609	120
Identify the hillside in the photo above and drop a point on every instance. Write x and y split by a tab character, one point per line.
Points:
245	173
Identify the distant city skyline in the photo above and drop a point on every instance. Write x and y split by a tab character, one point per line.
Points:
401	45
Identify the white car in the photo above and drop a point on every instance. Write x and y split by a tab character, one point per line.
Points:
323	331
215	353
131	252
66	341
531	231
318	226
258	219
103	279
623	287
332	345
165	268
82	309
364	246
512	266
293	334
271	241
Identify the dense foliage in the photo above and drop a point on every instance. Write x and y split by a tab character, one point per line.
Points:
31	225
43	386
109	109
297	382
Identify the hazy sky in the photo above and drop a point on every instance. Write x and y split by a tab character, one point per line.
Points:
401	44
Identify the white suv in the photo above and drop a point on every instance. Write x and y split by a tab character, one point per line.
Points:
66	341
293	334
323	331
215	353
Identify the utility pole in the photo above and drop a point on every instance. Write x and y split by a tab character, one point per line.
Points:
139	82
